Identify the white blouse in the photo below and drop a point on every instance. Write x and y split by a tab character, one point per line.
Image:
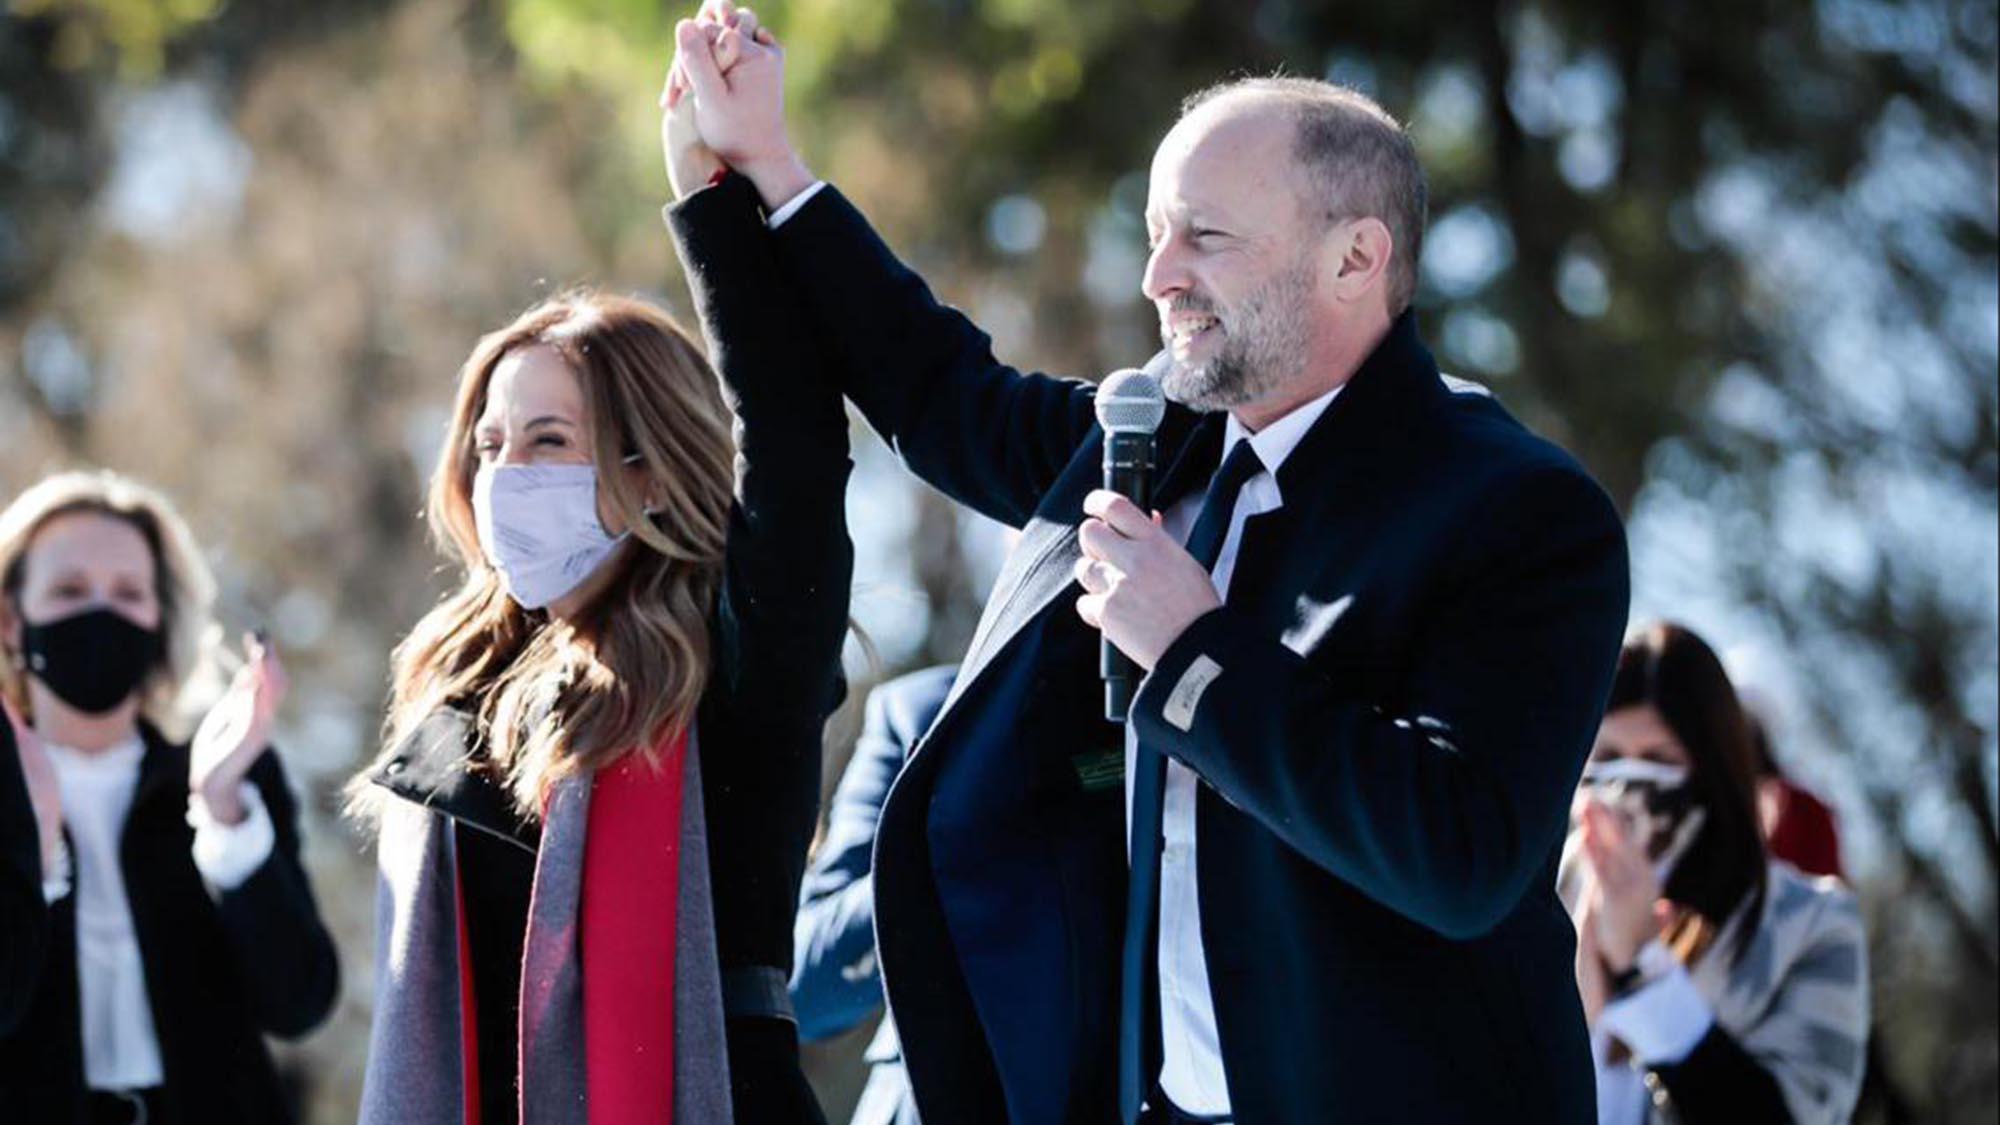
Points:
121	1047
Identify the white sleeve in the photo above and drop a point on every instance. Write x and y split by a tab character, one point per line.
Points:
1662	1021
793	204
228	854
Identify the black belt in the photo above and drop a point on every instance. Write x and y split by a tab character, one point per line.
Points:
1160	1110
124	1107
756	990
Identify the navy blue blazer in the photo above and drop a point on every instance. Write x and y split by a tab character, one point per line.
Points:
1390	716
836	979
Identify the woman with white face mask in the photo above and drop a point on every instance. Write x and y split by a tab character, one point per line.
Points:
1719	985
602	763
173	925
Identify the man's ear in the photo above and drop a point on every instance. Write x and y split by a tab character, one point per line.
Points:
1363	249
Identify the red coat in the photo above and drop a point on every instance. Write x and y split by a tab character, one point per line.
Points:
1799	828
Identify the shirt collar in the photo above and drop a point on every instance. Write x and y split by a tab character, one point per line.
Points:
1276	441
112	760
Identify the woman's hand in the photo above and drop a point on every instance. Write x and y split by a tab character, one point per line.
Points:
44	793
236	731
1592	982
1628	910
691	164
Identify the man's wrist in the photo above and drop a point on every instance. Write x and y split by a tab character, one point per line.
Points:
778	178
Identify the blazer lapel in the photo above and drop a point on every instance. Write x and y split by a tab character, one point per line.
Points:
1043	564
1193	463
1039	568
163	775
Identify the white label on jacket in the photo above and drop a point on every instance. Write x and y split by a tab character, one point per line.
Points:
1179	711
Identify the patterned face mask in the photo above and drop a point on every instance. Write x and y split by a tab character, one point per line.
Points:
1655	803
539	528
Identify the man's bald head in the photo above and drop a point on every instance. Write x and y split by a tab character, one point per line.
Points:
1353	160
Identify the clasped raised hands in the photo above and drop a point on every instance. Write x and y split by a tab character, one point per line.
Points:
725	106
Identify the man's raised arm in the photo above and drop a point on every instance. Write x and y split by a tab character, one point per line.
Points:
924	376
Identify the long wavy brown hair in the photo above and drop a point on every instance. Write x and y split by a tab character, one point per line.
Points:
553	698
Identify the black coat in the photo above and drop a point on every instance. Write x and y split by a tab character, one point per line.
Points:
24	931
221	970
1414	659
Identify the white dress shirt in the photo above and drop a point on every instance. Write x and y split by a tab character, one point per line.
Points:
791	206
1659	1023
1191	1070
121	1047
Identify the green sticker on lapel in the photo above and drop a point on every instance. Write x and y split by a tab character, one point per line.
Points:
1099	770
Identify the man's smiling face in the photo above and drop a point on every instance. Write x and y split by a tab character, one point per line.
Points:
1234	269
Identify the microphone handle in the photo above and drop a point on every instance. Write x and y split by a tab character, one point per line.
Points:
1128	471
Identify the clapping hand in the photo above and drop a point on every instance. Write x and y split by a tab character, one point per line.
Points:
236	730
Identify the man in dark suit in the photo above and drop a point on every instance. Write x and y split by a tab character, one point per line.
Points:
1378	619
836	978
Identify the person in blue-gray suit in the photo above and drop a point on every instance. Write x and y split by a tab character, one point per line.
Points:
836	982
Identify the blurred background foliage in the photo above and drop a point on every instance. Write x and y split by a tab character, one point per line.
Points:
1740	257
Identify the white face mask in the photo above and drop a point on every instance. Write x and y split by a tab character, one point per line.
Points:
1656	804
539	528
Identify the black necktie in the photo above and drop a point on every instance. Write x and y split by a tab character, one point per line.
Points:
1138	1014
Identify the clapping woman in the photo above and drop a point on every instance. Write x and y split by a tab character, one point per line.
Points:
174	925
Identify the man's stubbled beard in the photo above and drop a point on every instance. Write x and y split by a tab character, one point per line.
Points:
1264	344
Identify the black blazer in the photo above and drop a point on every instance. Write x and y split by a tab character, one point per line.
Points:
24	931
221	971
1413	664
776	633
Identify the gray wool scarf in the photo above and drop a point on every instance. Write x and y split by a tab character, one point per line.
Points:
415	1073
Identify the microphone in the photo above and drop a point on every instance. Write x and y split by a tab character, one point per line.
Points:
1130	405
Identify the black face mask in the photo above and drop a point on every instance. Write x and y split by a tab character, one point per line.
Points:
92	660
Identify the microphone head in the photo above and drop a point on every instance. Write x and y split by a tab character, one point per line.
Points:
1130	402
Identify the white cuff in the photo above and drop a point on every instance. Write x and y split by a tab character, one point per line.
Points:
55	881
1662	1021
793	204
228	854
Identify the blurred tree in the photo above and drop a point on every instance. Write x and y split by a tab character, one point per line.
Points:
64	67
